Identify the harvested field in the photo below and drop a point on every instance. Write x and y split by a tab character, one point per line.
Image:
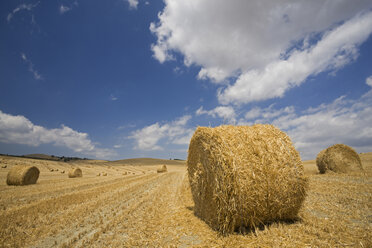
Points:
150	209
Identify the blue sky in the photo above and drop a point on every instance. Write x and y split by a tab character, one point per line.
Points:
129	78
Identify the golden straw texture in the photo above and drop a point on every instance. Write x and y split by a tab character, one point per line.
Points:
339	158
322	167
22	175
75	172
244	176
162	169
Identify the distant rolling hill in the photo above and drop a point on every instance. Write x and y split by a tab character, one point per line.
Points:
51	157
149	161
41	156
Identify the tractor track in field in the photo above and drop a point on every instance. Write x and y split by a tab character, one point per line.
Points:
11	198
29	223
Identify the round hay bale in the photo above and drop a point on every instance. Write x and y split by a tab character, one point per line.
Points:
4	166
322	167
244	176
339	158
104	174
162	169
22	175
75	172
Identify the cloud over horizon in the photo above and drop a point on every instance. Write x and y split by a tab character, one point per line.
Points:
17	129
174	132
343	120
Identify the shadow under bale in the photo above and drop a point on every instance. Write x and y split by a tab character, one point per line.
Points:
22	175
248	230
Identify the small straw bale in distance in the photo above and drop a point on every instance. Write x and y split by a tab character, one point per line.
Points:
22	175
162	169
339	158
244	176
75	172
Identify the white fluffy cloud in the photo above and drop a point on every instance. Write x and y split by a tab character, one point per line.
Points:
174	132
268	45
133	4
346	121
19	130
63	9
369	81
267	113
335	49
227	113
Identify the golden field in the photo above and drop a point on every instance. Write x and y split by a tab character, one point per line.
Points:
133	206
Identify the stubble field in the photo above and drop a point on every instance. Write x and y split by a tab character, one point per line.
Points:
148	209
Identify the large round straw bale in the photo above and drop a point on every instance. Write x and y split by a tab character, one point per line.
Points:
75	172
244	176
339	158
322	167
22	175
162	169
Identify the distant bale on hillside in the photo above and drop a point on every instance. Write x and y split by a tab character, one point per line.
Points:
22	175
162	169
244	176
339	158
75	172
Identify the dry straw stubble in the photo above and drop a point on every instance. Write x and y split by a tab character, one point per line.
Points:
244	176
339	158
22	175
75	172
